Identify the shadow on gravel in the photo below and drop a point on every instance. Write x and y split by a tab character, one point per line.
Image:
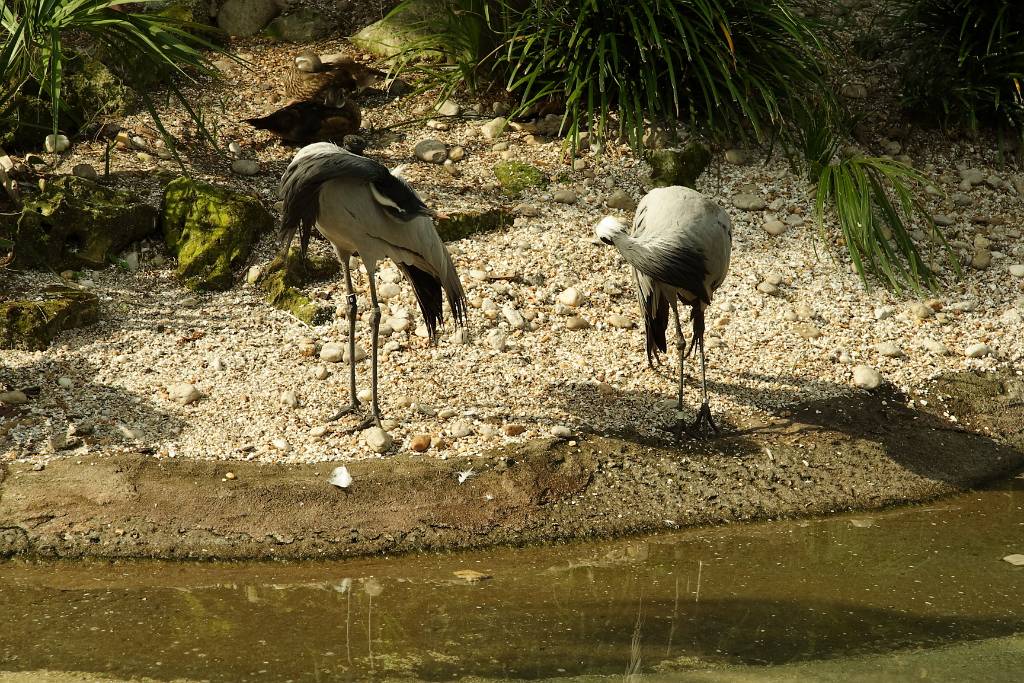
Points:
918	438
102	415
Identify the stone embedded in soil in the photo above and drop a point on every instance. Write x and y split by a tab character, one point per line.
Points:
620	321
281	444
419	443
748	202
854	91
514	318
620	199
377	439
86	171
1017	270
32	323
1016	559
245	166
577	323
767	288
332	352
866	377
737	157
921	311
432	151
978	350
561	432
13	398
972	176
565	196
982	259
460	429
513	429
288	398
244	18
183	393
935	347
493	128
889	350
774	227
807	330
571	297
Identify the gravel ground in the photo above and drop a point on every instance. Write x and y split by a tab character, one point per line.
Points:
789	325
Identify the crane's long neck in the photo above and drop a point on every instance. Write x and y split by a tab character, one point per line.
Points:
636	253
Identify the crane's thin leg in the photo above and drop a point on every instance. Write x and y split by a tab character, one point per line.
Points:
353	405
704	414
681	345
374	417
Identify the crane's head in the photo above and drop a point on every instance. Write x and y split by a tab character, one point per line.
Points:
308	61
609	228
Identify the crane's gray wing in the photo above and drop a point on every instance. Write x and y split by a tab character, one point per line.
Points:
667	258
318	163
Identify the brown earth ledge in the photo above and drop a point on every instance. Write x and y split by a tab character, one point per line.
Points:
859	452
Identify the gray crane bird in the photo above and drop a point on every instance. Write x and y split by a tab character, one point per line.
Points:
679	250
362	208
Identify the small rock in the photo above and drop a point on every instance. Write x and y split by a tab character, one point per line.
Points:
318	431
431	151
281	444
748	202
360	353
514	318
460	429
866	377
978	350
620	321
389	290
921	311
565	196
457	154
419	443
807	330
235	149
736	157
183	393
889	350
252	275
496	340
65	382
56	143
1016	559
493	128
561	432
775	227
942	220
332	352
576	323
340	477
982	259
448	108
288	398
85	171
854	91
13	398
935	347
513	429
620	199
320	372
571	297
1017	270
245	166
231	476
530	210
767	288
377	439
972	176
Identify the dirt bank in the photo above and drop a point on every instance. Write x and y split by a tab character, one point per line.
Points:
858	452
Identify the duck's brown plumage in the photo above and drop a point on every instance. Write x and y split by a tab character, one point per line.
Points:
331	82
302	123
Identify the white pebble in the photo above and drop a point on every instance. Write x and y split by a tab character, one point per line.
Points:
978	350
866	377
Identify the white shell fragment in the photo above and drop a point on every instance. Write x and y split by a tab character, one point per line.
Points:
465	474
340	477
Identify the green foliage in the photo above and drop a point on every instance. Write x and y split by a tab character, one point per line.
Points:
875	207
964	62
37	35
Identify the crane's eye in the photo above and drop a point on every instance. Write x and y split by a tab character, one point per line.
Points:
606	240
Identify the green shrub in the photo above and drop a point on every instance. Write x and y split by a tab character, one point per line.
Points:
964	62
35	52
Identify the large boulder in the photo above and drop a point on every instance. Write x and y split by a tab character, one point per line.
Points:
679	166
398	31
245	18
211	230
77	223
301	26
31	322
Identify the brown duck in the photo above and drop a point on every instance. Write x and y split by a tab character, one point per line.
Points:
301	123
330	80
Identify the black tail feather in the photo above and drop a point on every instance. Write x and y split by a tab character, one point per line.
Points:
428	295
655	310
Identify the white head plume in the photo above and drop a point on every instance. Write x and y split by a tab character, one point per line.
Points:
609	228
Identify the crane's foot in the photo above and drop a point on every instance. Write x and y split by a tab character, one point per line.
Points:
342	412
703	416
370	421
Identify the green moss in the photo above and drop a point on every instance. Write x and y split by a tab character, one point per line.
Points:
211	230
31	324
679	166
515	177
461	224
281	283
76	223
93	92
25	123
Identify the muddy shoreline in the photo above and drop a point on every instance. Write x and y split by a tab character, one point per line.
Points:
863	451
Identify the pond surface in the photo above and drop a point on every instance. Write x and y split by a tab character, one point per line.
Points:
908	593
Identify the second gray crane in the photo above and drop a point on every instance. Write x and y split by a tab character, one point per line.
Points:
679	249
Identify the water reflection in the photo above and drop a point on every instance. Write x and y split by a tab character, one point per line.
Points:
756	595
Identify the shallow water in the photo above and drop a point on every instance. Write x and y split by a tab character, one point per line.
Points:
711	604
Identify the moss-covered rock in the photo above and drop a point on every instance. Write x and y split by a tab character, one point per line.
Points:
76	223
211	230
679	166
400	31
304	25
515	177
93	92
25	123
31	323
283	278
460	224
